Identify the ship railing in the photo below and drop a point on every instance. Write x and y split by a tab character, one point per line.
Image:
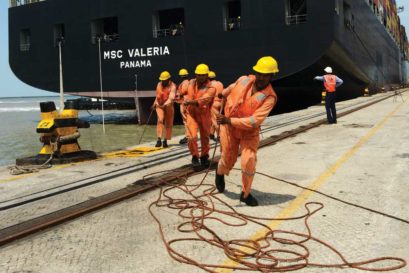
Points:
105	38
16	3
177	30
232	24
25	47
296	19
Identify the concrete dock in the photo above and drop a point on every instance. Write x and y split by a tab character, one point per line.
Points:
355	168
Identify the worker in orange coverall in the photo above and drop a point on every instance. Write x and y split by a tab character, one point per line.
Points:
165	94
199	102
248	103
217	103
180	95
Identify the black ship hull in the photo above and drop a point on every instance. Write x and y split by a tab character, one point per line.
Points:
345	35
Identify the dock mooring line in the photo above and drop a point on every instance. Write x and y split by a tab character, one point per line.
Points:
337	199
270	250
273	251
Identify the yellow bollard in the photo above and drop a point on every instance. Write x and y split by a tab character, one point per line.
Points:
366	92
323	96
46	127
66	126
59	135
59	131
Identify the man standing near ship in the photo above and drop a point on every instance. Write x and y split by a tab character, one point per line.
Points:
180	95
199	102
331	82
165	94
217	103
248	103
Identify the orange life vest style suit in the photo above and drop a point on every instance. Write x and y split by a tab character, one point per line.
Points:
199	117
217	103
330	82
246	112
181	93
164	109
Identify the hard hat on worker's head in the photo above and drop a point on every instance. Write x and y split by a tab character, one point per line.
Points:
266	65
183	72
328	69
202	69
212	74
165	75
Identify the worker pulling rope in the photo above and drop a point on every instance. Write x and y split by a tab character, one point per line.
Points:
198	208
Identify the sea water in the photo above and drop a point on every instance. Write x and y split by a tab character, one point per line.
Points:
19	118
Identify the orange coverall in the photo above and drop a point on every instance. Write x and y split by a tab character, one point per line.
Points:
217	103
164	109
199	117
246	112
181	93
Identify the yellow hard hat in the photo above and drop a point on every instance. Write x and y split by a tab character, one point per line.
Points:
183	72
165	75
266	65
202	69
212	75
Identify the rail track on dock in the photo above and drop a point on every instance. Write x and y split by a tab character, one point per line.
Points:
29	227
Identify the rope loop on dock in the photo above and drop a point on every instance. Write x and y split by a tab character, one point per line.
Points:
201	212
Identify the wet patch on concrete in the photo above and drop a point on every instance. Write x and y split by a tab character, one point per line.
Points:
354	125
292	177
403	155
48	176
300	143
79	172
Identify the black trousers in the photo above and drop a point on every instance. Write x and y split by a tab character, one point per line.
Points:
330	107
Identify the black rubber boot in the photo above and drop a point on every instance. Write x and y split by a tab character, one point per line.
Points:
212	137
195	161
183	140
165	144
204	160
250	200
158	143
219	181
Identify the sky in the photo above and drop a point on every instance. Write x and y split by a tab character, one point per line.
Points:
11	86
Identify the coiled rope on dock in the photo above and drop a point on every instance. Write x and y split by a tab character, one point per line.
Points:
275	251
201	211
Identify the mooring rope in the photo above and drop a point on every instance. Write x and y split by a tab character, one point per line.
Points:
18	170
197	206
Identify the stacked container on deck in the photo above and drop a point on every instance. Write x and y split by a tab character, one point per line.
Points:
387	13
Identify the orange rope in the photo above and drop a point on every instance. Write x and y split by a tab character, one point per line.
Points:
276	251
